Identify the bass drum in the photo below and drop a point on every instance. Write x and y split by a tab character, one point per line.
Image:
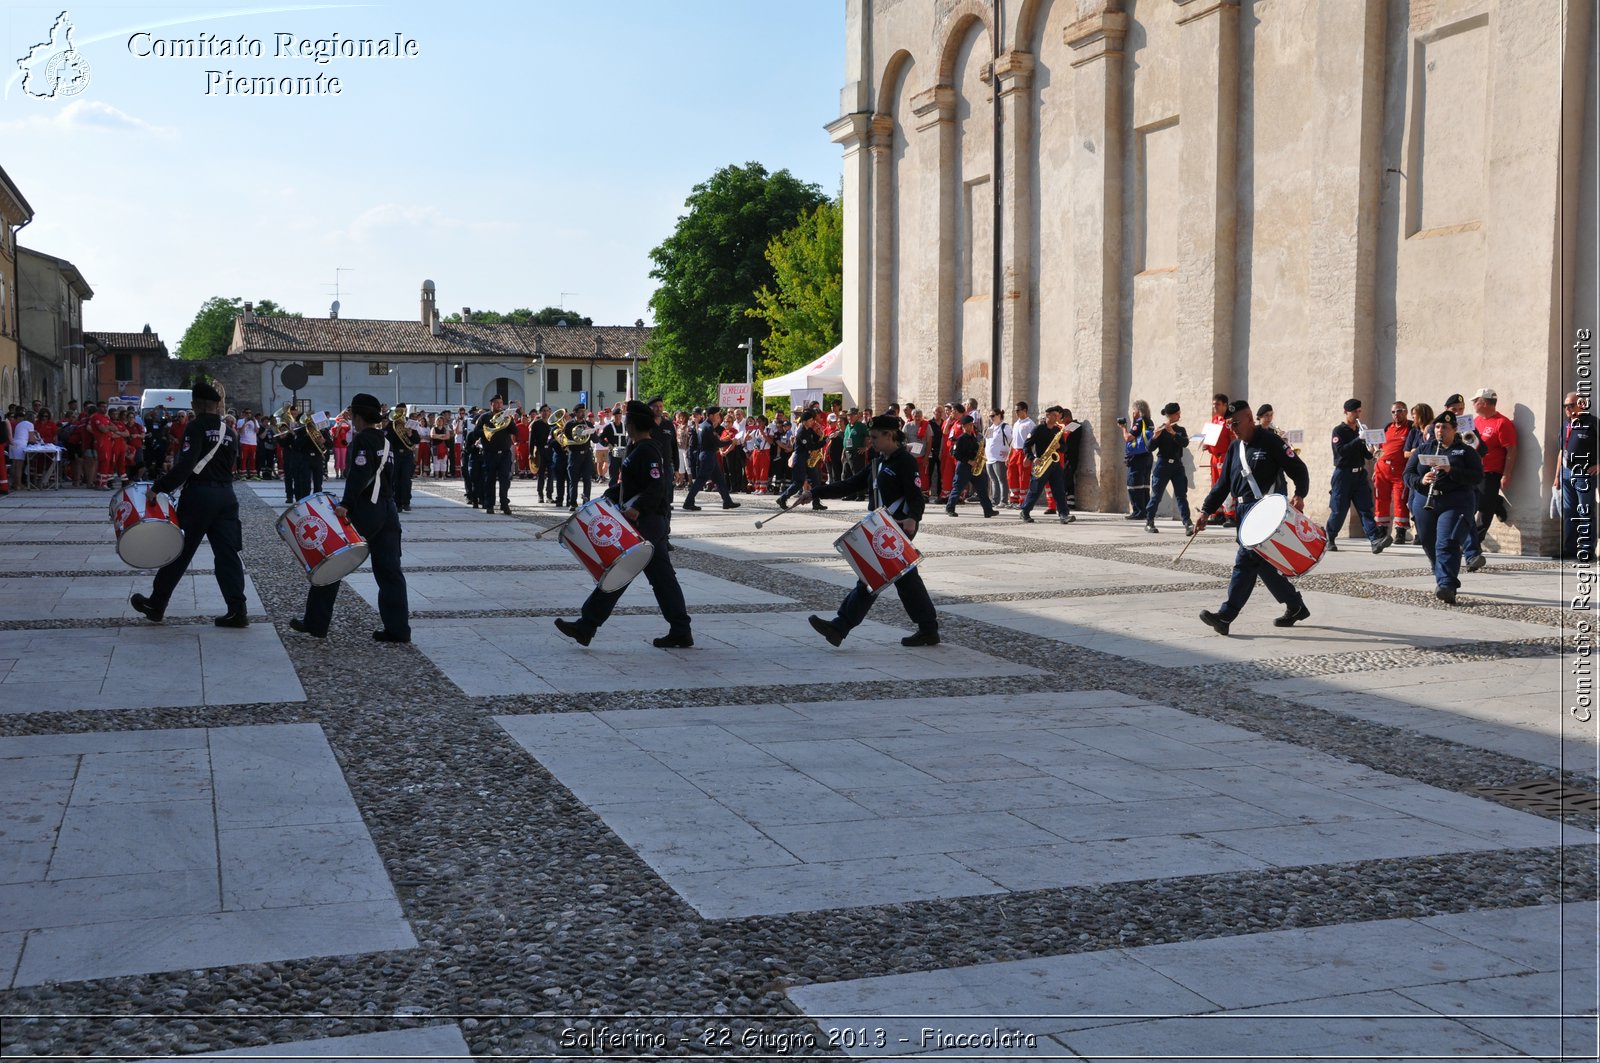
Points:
1282	536
146	523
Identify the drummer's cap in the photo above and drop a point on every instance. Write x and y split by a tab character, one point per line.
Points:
639	417
885	423
1352	405
579	406
1454	400
1262	410
1171	408
713	409
1237	407
1446	417
966	419
367	407
806	414
206	392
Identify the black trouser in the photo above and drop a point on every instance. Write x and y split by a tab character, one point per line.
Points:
1490	506
707	469
547	482
206	511
663	582
580	468
804	475
471	459
496	470
1139	466
405	467
854	462
736	480
1055	478
964	479
383	546
296	475
317	467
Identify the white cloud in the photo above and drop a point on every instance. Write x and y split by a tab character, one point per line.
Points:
86	115
372	221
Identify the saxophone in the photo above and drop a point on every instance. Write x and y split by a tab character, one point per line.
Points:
978	463
1046	459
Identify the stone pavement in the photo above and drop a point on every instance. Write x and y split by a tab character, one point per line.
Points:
1084	820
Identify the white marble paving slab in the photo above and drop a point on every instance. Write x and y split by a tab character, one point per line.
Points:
960	575
143	666
78	557
555	588
1060	790
1549	587
106	597
1511	706
545	553
1401	988
167	854
765	544
486	657
1167	631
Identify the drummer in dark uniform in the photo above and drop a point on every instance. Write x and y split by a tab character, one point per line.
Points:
644	494
890	482
207	510
1255	464
368	503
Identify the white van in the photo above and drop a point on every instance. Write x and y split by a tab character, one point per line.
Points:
174	400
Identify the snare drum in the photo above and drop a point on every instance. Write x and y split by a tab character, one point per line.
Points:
1284	537
603	541
878	550
146	523
327	545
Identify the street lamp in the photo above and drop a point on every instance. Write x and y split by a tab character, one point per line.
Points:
749	349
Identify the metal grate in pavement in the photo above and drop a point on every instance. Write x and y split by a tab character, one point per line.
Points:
1546	796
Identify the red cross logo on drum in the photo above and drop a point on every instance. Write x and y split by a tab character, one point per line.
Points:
885	543
605	532
124	511
311	532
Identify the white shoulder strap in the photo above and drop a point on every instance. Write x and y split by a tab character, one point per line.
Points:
222	437
1249	474
377	474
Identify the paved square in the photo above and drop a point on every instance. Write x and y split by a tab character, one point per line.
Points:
431	1044
1167	630
557	588
1513	705
1550	587
451	553
760	545
801	806
528	656
1484	984
139	851
143	666
106	597
1019	574
81	557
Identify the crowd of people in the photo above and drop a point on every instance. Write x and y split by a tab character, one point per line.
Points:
95	446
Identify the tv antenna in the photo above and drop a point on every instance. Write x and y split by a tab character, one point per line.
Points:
562	302
336	271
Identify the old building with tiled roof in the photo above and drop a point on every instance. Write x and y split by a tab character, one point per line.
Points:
14	214
434	363
125	361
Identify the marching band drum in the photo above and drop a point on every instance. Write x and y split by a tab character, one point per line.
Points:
327	545
146	523
1284	537
878	550
603	541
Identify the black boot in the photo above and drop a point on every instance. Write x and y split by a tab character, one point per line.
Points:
234	617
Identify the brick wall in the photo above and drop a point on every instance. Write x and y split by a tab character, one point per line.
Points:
241	380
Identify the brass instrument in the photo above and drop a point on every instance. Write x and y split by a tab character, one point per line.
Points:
314	434
1042	465
397	423
498	422
284	417
579	433
817	457
978	463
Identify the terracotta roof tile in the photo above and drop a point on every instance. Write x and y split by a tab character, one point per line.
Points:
129	341
367	336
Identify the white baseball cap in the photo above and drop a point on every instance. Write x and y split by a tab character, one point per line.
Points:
1485	393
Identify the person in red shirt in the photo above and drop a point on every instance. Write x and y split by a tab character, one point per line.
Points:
1497	443
947	458
521	429
100	430
1388	485
1218	451
920	440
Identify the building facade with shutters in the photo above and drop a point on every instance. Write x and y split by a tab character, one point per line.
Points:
125	363
435	364
14	214
54	360
1295	201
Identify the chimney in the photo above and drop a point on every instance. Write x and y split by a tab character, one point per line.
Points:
433	325
428	310
249	312
466	313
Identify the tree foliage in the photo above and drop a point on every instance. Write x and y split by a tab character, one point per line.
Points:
710	270
209	334
550	315
804	315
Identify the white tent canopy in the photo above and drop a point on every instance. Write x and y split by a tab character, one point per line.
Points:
824	375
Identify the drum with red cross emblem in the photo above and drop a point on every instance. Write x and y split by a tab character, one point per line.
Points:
878	550
328	546
603	541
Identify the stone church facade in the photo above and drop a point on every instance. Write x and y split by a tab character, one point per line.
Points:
1294	201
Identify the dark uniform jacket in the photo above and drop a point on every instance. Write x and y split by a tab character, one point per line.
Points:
1170	445
806	442
1455	488
1578	442
367	462
666	441
1039	440
707	438
1350	451
538	435
501	442
966	448
1271	460
198	439
892	483
646	480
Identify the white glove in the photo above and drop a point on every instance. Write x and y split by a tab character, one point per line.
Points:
1555	503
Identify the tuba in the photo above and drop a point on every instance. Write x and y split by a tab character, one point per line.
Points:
397	424
498	422
1042	466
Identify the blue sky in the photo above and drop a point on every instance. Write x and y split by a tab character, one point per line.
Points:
530	149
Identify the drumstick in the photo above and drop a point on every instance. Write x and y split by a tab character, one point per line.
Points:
775	516
1185	549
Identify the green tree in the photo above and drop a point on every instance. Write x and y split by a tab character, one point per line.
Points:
710	270
805	314
209	334
523	316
